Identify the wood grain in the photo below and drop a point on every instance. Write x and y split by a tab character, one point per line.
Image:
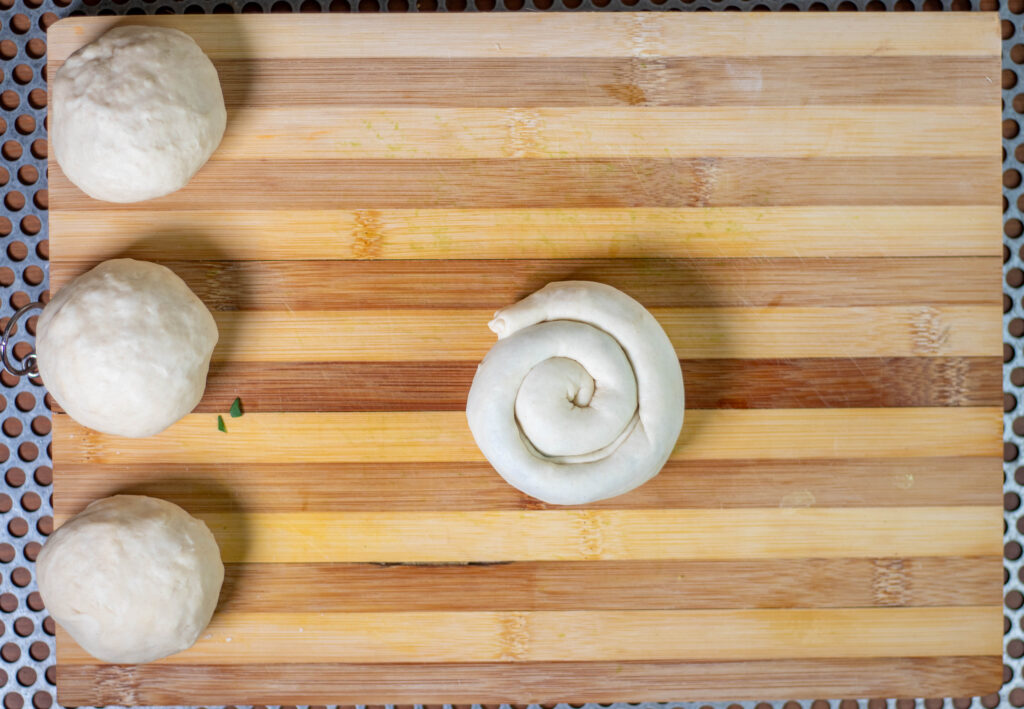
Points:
508	682
570	183
362	133
578	535
528	82
656	282
809	204
640	35
745	333
444	437
589	636
496	82
710	384
215	486
672	234
610	585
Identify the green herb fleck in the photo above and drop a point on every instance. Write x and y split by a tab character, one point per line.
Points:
220	425
236	408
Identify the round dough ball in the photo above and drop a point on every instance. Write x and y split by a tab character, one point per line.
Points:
136	113
131	578
125	348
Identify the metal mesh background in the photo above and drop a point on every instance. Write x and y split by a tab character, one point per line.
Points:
27	673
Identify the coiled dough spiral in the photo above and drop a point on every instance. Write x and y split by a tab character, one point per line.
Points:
581	398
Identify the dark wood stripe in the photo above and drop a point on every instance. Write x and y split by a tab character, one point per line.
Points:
594	81
611	585
327	683
657	283
710	384
525	183
266	487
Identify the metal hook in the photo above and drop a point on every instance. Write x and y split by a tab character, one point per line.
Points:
29	363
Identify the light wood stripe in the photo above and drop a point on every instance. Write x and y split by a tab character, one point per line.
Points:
655	282
96	233
431	133
413	437
706	333
214	486
596	636
644	35
528	82
592	535
324	683
574	535
611	585
263	185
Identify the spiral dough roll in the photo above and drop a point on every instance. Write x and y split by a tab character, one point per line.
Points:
582	396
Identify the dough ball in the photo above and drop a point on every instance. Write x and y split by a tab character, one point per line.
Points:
125	348
131	578
136	113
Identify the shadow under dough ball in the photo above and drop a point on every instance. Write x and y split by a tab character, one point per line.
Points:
136	113
131	578
125	348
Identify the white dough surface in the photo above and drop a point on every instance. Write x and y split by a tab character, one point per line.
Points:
125	348
582	396
136	113
131	578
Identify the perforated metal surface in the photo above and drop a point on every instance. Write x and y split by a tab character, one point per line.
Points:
27	657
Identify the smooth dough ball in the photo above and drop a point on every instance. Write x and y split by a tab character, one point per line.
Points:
136	113
125	348
131	578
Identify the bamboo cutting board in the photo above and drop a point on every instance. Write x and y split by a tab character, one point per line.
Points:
810	206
